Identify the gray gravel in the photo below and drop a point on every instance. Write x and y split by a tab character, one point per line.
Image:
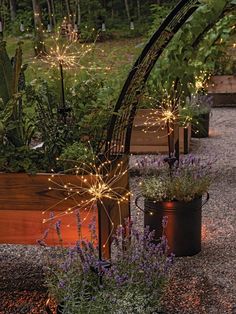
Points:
202	284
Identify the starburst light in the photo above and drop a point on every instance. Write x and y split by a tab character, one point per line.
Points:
94	184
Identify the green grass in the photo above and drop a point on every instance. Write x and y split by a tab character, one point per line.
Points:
114	58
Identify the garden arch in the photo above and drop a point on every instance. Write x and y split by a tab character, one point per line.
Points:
120	127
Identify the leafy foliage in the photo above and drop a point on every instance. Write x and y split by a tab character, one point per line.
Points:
6	74
159	13
75	154
35	113
212	54
90	102
53	132
16	127
187	54
21	159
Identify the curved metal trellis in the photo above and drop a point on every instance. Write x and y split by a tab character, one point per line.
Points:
120	128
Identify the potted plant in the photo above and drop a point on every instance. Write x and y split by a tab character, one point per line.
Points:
176	193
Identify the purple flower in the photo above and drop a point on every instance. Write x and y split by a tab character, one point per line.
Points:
58	226
164	221
140	263
93	229
58	230
61	284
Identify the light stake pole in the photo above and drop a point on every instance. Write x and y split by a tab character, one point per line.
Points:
63	109
102	263
99	205
170	159
169	139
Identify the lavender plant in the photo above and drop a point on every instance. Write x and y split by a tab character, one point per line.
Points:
132	284
188	179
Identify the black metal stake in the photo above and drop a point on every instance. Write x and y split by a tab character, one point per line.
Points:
99	232
168	134
99	241
186	141
63	103
102	263
170	159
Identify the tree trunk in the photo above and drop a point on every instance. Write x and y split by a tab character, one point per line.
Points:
49	12
68	10
78	12
53	13
112	10
13	9
138	9
127	9
39	39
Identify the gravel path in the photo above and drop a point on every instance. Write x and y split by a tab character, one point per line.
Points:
202	284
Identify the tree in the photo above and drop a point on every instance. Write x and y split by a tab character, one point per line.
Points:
53	13
13	9
138	9
49	12
78	12
127	9
39	38
68	10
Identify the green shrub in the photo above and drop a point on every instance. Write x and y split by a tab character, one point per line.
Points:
75	154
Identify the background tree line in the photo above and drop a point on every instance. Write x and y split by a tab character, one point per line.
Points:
116	14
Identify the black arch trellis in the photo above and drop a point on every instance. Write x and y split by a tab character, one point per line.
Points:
120	127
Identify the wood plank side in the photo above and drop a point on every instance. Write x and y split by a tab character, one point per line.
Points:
22	191
26	227
222	84
24	197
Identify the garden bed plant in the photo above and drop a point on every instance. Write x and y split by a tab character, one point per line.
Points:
33	130
133	282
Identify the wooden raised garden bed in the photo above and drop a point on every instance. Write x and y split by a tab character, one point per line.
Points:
223	90
149	143
23	198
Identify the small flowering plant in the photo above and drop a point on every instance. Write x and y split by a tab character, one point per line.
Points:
188	178
133	282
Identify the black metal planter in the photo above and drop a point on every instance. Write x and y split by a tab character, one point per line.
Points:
183	230
202	129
